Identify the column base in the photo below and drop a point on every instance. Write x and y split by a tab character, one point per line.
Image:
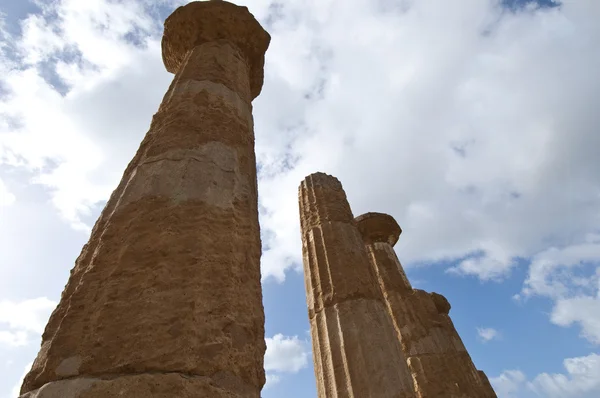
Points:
148	385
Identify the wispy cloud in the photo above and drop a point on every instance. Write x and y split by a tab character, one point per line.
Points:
487	334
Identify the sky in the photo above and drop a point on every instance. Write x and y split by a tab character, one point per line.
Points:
474	123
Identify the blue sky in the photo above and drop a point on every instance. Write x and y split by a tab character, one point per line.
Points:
472	123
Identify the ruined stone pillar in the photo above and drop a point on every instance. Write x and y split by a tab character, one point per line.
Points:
437	358
165	299
355	348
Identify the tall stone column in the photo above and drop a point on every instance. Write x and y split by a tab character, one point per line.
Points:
437	358
165	299
355	348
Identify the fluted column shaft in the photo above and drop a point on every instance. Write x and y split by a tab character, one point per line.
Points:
438	360
165	299
355	349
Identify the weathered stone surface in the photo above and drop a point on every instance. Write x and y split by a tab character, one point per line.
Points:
358	364
439	362
437	358
155	385
355	349
392	273
169	281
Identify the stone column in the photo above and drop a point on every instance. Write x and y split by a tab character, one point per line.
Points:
165	299
355	348
437	358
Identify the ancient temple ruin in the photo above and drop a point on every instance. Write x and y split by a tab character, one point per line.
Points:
374	335
165	299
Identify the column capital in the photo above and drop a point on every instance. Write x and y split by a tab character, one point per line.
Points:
378	227
200	22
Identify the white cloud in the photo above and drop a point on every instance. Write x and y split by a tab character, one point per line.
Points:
6	197
570	276
488	334
17	387
509	383
20	321
286	354
553	272
492	263
582	310
580	381
460	135
79	143
13	339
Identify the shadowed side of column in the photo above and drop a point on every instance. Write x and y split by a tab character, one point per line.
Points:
165	299
355	349
438	360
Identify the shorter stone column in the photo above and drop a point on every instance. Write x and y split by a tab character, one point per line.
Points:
437	358
355	348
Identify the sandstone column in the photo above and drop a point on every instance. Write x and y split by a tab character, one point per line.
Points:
356	351
165	299
438	360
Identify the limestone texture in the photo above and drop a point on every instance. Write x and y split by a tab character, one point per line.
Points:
148	385
165	299
437	358
356	351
